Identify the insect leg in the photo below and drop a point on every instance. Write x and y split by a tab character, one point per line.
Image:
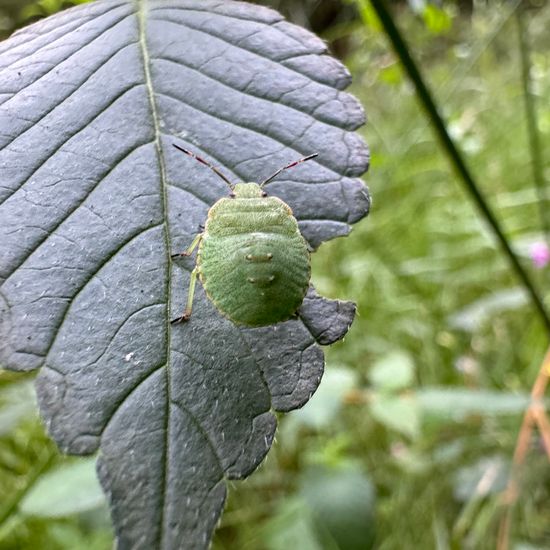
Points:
192	247
190	294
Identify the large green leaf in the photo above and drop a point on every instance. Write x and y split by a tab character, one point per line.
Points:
94	199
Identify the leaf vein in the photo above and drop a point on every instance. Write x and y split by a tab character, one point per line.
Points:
244	91
59	100
72	136
120	327
203	432
52	230
85	283
127	395
63	36
259	131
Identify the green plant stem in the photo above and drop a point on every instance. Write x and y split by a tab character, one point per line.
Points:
531	119
454	154
42	465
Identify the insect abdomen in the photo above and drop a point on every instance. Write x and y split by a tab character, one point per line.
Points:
253	261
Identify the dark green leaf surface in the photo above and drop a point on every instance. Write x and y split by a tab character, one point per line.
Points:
94	199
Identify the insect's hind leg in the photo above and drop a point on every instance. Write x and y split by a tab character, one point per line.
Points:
190	294
192	247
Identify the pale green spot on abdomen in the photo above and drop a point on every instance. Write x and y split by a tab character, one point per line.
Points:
278	286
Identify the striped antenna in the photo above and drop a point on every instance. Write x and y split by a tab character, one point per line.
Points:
309	157
202	161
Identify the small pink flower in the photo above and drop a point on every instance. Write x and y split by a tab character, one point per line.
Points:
540	255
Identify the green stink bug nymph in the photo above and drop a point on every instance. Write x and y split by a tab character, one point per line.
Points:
252	259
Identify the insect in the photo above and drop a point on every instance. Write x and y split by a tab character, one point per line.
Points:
252	260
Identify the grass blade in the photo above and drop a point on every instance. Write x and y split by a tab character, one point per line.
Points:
455	155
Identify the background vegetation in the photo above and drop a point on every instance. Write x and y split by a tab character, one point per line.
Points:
409	441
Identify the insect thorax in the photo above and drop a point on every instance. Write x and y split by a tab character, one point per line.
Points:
249	211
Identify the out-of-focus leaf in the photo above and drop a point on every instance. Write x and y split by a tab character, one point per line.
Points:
400	413
94	200
342	504
488	476
67	490
473	316
457	403
392	74
322	408
409	460
394	371
437	19
291	527
17	401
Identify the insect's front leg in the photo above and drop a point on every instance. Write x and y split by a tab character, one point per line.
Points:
192	247
190	294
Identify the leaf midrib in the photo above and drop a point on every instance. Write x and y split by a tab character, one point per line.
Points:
141	15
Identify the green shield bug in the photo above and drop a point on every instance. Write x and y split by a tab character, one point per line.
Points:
252	260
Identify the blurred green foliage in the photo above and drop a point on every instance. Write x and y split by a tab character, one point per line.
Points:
18	13
409	439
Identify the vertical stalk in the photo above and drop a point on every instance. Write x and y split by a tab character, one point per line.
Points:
532	130
535	415
455	156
